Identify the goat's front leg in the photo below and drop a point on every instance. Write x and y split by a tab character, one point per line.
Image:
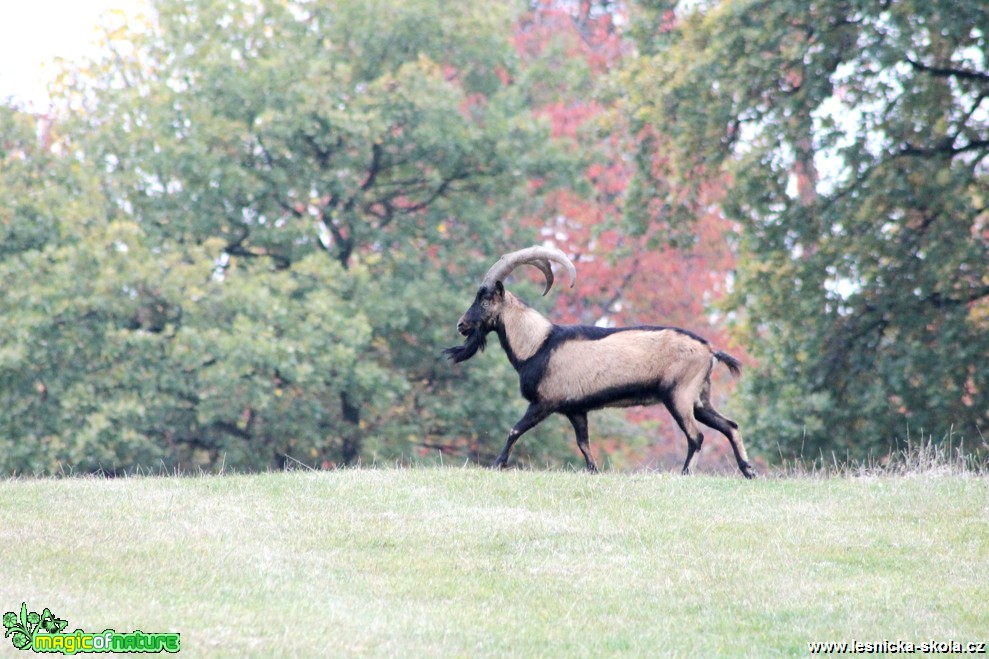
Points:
533	415
579	422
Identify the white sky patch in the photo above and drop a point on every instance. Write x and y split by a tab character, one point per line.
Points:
33	33
830	166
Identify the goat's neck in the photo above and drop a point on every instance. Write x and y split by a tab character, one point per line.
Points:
523	330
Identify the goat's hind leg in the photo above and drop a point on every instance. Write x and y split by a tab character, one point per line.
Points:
709	416
533	415
685	419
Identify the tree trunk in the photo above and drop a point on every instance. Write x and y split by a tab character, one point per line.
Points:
351	447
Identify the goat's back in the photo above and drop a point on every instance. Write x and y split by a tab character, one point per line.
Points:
622	365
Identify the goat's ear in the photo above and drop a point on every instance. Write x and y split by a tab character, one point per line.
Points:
499	289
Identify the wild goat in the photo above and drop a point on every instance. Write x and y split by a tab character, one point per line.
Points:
573	369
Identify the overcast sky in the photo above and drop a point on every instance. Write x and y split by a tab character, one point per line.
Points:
34	32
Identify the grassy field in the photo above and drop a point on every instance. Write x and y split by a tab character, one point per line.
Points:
467	562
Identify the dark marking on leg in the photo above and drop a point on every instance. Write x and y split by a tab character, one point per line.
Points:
533	415
693	448
579	422
685	419
709	416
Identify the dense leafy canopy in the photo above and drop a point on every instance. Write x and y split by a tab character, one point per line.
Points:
245	233
855	136
279	214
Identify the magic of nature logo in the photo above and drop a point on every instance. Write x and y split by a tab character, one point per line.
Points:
43	632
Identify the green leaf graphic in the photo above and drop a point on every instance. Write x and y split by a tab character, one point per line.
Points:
23	629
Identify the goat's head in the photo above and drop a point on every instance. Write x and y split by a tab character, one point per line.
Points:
484	314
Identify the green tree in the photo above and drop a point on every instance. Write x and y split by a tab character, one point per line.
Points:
287	205
855	138
122	352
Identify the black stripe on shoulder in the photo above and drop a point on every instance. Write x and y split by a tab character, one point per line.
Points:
562	333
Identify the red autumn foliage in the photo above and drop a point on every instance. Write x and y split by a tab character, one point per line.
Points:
588	30
623	279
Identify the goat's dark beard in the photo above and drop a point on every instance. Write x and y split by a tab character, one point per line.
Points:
475	341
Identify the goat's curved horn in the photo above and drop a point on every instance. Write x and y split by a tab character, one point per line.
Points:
537	256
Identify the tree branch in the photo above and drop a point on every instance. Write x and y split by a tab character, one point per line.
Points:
973	295
230	429
945	148
373	168
946	72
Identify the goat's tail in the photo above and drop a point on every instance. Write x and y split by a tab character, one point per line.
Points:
733	364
